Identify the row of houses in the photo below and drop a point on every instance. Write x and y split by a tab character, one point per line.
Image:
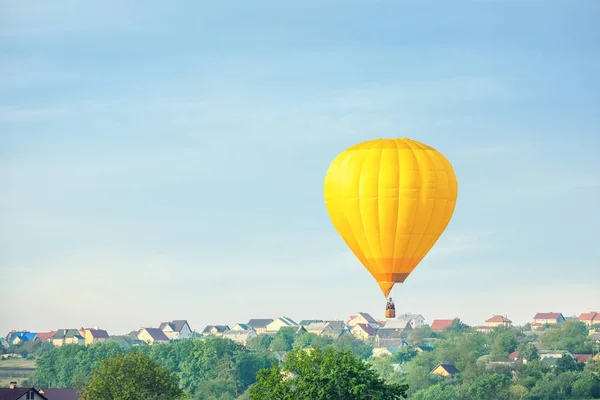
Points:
362	326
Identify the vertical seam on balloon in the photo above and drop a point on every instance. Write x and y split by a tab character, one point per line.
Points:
378	208
397	205
360	178
348	224
435	198
412	227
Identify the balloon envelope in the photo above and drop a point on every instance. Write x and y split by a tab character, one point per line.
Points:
390	200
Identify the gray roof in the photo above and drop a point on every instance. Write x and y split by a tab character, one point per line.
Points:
60	394
219	328
156	334
306	322
259	323
450	368
176	325
336	324
389	333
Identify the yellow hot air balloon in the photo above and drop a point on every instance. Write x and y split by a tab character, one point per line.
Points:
390	200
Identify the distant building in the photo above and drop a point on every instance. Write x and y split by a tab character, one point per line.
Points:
498	320
67	336
93	335
448	370
281	322
259	325
362	318
551	318
441	324
591	318
415	320
152	336
215	330
177	329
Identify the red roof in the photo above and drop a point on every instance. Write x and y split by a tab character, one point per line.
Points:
43	336
440	324
590	316
498	318
513	356
582	357
368	329
547	315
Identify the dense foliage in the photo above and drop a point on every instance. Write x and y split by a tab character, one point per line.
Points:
327	374
220	369
131	377
484	370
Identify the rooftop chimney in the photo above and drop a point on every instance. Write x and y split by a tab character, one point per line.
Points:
12	385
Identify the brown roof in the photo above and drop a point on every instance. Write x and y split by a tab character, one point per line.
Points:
440	324
498	318
43	336
547	315
60	394
582	357
590	316
513	356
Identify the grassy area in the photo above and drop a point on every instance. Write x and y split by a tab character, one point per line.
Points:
15	369
17	363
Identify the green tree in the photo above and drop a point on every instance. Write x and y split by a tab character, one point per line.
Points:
322	375
439	391
360	348
567	363
404	355
528	352
571	336
261	342
131	377
504	343
587	386
491	386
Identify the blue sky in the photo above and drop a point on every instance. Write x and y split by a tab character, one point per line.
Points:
166	161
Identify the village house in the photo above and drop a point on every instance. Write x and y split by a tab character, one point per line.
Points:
46	336
178	329
590	318
259	325
67	336
441	324
415	320
446	370
498	320
215	330
281	322
152	335
59	394
240	336
331	329
363	331
361	318
93	335
22	337
241	328
384	351
551	318
397	324
14	392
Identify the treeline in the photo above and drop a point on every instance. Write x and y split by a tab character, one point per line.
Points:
476	356
210	368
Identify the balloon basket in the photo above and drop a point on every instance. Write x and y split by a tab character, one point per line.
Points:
389	313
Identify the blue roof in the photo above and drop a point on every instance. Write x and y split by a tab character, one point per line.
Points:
23	336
